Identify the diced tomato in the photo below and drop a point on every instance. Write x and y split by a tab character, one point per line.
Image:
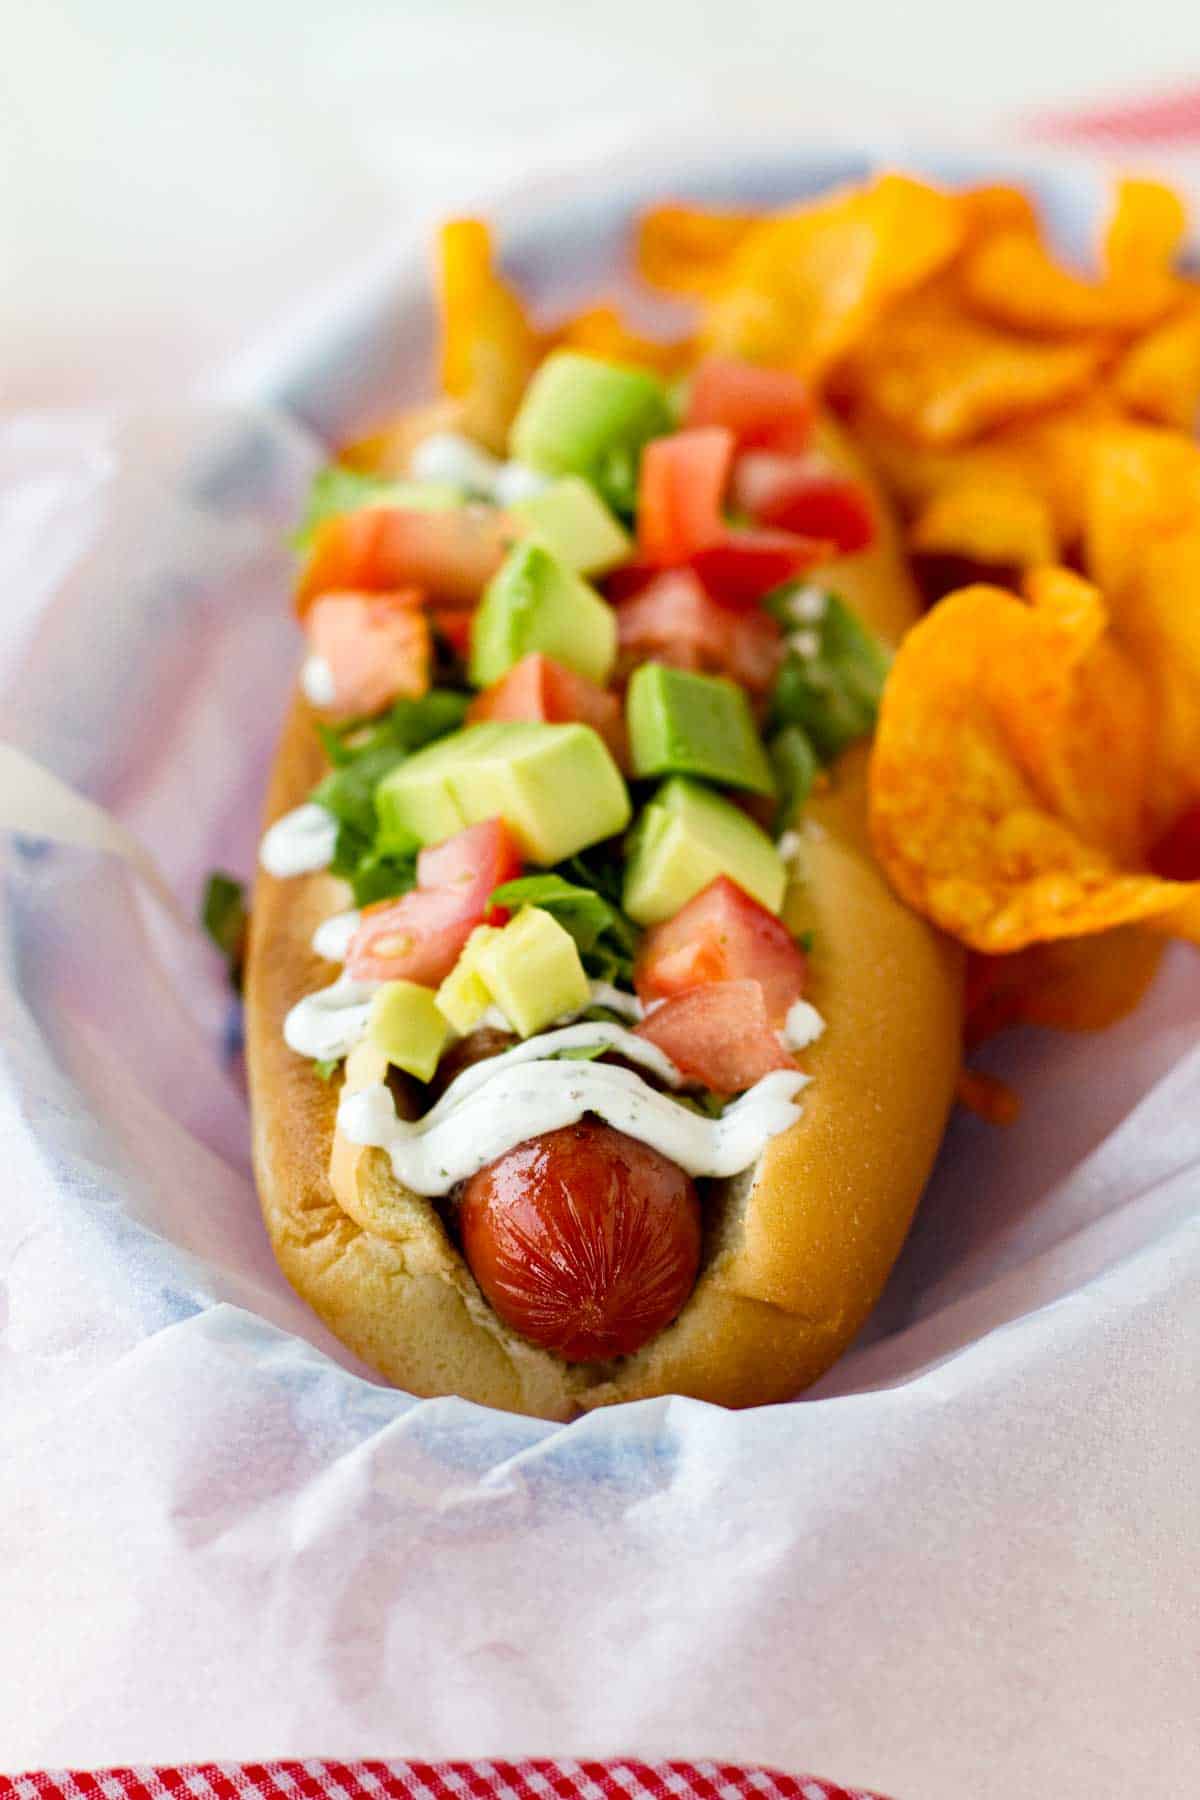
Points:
748	564
673	620
764	408
450	555
720	1035
537	687
472	863
1176	856
805	494
376	646
453	624
419	936
681	485
723	934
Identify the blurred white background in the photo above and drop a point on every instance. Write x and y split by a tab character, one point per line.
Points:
175	176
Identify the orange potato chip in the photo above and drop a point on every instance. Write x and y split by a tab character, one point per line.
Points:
1076	984
804	286
1008	768
1159	375
1014	280
1143	485
997	207
601	331
489	347
944	378
1146	231
688	249
995	522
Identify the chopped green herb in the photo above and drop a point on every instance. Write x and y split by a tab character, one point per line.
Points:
326	1069
224	917
795	765
362	754
831	683
581	1053
805	940
708	1105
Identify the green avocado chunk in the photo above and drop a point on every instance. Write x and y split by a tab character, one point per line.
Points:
584	416
533	972
404	1024
572	522
534	602
555	786
685	724
684	839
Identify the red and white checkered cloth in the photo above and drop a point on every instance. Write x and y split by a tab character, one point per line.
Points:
313	1780
1171	118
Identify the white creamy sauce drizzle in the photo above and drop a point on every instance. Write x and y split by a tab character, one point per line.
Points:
807	606
328	1024
802	1027
805	644
332	937
497	1104
316	681
299	843
450	457
517	481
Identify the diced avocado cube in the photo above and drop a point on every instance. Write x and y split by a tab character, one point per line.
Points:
534	602
685	838
584	416
463	996
533	971
405	1025
556	787
574	524
685	724
832	681
796	767
415	803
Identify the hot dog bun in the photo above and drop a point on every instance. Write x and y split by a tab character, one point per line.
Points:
796	1251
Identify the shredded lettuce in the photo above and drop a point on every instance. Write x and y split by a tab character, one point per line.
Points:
362	753
606	938
224	916
831	683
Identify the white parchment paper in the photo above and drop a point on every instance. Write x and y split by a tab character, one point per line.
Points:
967	1567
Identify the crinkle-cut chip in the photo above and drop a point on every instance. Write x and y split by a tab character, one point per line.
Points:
601	331
804	286
996	523
1159	376
1006	773
688	249
1013	280
1045	455
1143	486
996	207
1076	984
489	347
1146	231
1158	618
944	378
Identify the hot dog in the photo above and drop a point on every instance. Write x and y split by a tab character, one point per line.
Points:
693	1176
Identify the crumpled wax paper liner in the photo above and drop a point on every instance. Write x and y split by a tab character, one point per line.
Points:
968	1565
